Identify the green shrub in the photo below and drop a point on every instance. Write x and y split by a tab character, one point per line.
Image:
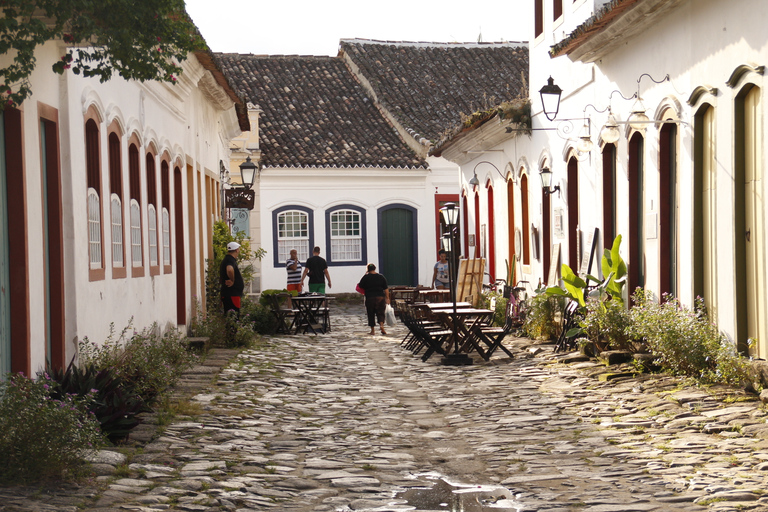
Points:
113	406
42	437
147	362
542	319
500	309
685	341
258	317
607	324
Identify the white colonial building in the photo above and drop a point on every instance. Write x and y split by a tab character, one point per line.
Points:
108	192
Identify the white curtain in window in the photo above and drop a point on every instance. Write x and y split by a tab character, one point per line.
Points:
292	233
135	233
94	229
346	240
166	237
118	259
152	221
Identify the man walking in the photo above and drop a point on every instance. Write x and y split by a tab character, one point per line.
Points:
232	284
317	268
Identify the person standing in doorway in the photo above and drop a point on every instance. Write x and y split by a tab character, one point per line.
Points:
376	296
294	268
317	268
232	284
440	275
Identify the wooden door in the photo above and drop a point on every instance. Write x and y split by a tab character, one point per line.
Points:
397	245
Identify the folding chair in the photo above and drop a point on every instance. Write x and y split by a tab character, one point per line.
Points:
281	312
570	320
494	336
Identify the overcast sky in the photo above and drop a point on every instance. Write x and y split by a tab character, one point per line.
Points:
314	27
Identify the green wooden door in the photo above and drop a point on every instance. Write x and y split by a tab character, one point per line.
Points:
397	245
5	303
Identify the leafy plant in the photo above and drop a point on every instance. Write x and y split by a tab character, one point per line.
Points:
147	362
612	264
685	341
607	324
139	40
113	406
541	319
42	437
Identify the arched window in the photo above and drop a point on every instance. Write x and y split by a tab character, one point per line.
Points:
292	233
152	221
94	228
346	229
136	256
116	205
118	259
134	182
154	257
165	190
526	220
93	172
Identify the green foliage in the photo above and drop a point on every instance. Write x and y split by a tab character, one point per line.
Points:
42	437
113	406
542	316
613	265
221	237
685	341
500	309
228	331
574	286
139	40
607	324
147	362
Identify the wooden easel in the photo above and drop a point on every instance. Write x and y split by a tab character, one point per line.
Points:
469	282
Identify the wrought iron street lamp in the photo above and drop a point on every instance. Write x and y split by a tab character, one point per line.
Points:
550	99
450	216
546	182
248	172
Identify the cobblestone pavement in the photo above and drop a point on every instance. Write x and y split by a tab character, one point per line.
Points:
348	421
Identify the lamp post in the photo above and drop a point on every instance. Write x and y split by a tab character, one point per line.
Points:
546	182
450	216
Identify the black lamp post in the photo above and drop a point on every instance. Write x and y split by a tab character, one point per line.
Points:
450	215
546	182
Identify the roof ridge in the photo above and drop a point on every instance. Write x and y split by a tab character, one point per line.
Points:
435	43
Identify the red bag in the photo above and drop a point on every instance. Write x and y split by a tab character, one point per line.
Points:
359	290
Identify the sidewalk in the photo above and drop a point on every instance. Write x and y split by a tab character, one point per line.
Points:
348	421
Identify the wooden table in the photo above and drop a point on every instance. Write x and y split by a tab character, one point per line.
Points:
465	320
311	313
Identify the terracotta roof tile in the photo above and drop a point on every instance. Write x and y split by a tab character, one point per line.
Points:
315	114
428	86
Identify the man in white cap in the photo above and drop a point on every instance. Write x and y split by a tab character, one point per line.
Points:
232	284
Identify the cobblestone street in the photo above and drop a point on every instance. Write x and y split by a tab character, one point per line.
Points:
348	421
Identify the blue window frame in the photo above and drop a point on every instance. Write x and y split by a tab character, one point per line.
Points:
292	228
345	235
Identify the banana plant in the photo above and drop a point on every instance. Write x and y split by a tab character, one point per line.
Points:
613	264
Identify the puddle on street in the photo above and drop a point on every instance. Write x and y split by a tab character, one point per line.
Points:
453	497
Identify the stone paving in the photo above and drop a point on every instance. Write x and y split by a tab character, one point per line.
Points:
346	421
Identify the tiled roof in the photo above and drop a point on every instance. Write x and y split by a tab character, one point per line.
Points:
315	114
595	24
428	86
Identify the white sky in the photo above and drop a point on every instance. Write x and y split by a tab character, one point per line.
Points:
314	27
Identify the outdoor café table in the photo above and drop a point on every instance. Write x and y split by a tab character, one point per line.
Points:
310	315
466	320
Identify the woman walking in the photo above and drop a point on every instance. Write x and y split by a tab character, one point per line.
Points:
376	296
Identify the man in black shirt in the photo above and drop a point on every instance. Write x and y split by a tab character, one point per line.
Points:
232	284
317	268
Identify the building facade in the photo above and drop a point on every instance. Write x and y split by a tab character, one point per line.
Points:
108	192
